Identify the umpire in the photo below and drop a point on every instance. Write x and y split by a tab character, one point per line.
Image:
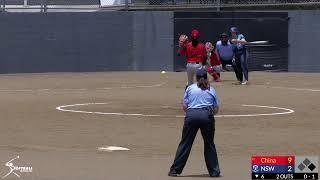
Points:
200	104
225	50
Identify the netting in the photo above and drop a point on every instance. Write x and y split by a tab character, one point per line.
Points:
7	4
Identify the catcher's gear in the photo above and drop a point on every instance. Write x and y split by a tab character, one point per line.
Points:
183	40
213	71
207	61
209	47
216	69
234	61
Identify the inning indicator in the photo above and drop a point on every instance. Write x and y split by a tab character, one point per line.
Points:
285	167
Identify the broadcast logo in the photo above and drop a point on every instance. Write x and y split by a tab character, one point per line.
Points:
15	170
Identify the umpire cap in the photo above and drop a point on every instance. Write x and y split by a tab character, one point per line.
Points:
201	73
223	35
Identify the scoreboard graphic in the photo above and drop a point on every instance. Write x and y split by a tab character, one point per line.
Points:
285	167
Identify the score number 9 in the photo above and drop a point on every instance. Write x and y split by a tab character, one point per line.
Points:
289	161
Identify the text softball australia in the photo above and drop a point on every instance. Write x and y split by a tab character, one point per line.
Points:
15	170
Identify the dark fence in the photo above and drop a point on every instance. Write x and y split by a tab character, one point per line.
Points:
255	26
268	58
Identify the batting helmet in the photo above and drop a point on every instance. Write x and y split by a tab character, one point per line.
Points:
234	29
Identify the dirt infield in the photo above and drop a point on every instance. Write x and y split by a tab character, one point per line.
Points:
148	120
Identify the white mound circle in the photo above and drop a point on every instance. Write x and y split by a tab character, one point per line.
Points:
283	111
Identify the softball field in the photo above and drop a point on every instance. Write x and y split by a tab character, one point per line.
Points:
55	123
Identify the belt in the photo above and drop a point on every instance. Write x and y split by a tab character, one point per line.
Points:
209	109
225	59
194	62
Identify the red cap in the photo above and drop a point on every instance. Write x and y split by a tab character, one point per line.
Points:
195	34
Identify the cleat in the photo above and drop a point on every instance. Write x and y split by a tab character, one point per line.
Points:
245	82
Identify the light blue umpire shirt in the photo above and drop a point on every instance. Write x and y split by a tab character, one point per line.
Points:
225	51
195	98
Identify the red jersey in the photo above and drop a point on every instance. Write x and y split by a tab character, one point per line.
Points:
194	54
214	59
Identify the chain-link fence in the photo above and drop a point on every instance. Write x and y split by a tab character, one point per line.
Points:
221	3
44	5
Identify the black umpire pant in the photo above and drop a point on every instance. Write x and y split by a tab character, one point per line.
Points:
195	119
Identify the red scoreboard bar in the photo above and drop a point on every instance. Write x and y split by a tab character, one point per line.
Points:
273	160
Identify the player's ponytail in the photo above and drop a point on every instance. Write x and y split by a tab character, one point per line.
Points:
203	83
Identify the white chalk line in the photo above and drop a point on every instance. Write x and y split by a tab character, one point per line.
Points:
63	108
296	89
145	86
83	89
112	148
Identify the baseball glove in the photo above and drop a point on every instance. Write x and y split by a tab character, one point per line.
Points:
183	40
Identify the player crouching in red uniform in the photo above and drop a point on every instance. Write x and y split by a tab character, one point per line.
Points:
214	66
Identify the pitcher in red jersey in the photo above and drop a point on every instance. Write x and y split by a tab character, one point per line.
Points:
195	52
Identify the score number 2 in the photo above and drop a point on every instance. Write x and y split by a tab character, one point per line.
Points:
289	161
